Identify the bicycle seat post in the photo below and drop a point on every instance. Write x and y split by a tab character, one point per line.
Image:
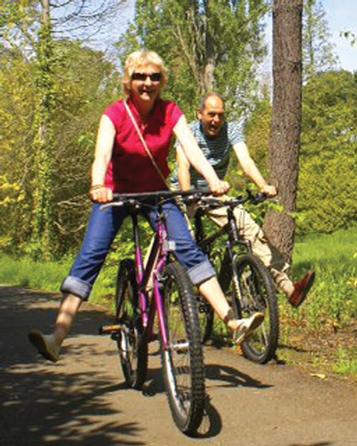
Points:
233	230
199	234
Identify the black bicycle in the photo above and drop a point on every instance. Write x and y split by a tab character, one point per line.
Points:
242	276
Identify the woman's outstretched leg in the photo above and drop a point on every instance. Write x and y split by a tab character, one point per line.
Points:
241	328
50	345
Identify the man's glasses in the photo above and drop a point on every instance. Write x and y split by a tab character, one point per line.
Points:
154	77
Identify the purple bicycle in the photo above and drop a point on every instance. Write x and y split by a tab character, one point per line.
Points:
160	287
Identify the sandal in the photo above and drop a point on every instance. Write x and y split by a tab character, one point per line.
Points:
246	326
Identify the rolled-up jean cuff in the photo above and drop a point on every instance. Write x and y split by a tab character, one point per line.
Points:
201	272
77	287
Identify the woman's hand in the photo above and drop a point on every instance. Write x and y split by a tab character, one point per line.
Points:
269	190
100	194
219	187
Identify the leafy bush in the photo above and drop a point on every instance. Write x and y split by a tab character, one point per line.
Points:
333	298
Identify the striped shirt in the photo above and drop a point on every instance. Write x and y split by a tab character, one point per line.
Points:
216	150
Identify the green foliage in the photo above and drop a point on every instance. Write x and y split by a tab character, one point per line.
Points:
84	83
257	133
328	188
16	159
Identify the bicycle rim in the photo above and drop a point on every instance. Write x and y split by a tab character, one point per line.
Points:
257	293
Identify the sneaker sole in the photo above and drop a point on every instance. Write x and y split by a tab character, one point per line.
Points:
37	340
256	322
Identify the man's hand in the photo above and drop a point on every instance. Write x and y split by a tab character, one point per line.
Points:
269	190
219	187
100	194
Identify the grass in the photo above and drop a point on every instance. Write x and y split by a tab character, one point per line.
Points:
324	327
48	276
333	298
346	363
24	272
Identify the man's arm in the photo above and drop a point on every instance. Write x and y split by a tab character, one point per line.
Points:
183	169
251	170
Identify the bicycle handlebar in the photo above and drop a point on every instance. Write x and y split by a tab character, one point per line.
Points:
139	198
163	194
201	196
213	202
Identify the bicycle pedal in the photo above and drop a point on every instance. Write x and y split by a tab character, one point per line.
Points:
180	347
111	329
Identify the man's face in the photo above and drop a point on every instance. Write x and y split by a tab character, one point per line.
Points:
212	116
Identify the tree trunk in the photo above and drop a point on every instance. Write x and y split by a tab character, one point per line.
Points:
286	120
43	231
210	63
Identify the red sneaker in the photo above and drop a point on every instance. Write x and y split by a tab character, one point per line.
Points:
301	288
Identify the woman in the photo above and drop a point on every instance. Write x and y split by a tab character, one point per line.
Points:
119	157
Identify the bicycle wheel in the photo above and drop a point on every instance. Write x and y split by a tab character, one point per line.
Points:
182	361
133	348
256	292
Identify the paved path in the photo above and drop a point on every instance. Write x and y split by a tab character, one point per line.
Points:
82	400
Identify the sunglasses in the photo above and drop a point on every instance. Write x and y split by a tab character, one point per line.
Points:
154	77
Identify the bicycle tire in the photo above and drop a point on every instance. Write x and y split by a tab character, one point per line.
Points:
256	293
182	362
206	318
132	346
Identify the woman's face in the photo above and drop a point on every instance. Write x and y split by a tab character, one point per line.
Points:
145	83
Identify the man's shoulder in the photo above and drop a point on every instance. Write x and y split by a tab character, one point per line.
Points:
235	131
234	124
195	126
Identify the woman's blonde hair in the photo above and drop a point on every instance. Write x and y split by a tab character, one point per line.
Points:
139	58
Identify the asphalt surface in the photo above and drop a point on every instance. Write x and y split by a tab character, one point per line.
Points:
83	399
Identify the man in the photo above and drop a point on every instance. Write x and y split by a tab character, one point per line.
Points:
216	139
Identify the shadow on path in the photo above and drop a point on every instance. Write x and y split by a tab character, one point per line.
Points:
39	403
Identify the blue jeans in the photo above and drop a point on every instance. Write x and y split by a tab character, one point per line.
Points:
102	229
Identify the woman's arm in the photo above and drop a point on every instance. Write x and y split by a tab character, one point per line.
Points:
196	157
183	169
102	157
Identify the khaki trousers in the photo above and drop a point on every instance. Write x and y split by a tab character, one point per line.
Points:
250	231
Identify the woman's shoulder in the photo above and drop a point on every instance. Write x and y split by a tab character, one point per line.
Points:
115	107
170	110
166	105
115	111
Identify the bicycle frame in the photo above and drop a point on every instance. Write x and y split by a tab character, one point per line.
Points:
157	259
234	239
156	263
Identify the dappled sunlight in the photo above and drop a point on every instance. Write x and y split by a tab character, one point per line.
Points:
64	403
